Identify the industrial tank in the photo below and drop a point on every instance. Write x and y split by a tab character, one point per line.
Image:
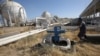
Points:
14	12
46	14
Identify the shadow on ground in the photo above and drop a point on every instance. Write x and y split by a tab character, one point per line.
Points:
93	39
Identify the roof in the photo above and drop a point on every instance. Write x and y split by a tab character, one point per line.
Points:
94	6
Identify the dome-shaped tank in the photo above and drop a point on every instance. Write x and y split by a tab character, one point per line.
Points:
46	14
14	11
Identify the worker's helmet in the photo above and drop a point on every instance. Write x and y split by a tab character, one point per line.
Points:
79	21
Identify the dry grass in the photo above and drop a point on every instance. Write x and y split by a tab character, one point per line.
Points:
5	30
23	47
17	48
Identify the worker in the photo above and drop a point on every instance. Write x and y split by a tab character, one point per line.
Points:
82	29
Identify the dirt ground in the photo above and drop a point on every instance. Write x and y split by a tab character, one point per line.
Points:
24	46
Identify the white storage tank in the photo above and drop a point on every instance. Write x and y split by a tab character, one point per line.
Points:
13	12
46	14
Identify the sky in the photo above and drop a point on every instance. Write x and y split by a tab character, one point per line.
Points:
61	8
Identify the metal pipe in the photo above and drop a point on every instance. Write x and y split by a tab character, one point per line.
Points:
21	15
99	14
10	20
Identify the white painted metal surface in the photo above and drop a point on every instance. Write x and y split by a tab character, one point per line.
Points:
13	12
68	46
9	39
46	14
42	22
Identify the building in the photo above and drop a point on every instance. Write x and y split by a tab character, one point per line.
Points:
92	13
